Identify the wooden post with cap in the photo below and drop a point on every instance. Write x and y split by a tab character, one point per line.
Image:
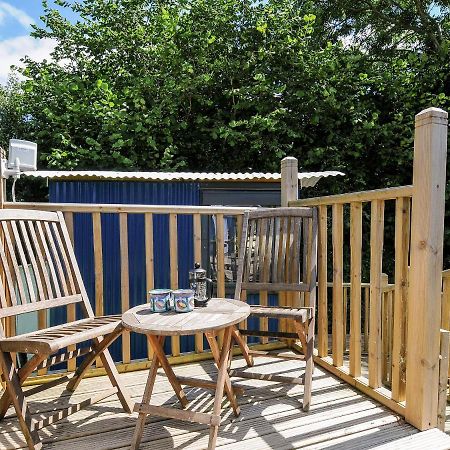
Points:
289	180
289	193
424	302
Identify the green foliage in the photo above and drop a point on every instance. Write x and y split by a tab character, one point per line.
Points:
224	85
13	123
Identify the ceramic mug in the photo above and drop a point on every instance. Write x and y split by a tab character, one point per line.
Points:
183	300
159	299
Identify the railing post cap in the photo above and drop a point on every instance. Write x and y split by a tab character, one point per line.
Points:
436	115
289	161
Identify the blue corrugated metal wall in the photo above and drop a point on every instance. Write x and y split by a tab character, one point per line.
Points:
129	192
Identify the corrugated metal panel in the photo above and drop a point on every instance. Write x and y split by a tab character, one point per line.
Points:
129	193
307	179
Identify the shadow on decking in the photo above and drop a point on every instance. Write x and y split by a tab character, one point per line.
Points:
271	417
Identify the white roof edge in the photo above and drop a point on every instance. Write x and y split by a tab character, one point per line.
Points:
306	178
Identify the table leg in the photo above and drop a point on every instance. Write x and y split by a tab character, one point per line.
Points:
222	380
217	356
146	398
159	352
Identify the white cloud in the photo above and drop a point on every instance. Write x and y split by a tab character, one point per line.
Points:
13	49
20	15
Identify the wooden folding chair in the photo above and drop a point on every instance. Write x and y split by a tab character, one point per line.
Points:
278	253
38	271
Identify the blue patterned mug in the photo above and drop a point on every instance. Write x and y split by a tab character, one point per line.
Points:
159	299
183	300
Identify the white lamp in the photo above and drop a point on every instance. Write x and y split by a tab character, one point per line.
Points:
22	157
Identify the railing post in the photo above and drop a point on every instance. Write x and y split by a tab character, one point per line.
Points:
289	180
289	192
424	303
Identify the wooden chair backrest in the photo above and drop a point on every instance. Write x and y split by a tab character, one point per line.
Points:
38	268
278	251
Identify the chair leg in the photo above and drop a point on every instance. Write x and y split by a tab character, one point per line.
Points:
23	373
309	366
89	360
243	345
18	399
113	375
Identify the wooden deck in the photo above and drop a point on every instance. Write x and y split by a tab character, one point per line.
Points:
271	417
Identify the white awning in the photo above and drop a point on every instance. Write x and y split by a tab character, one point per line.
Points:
306	179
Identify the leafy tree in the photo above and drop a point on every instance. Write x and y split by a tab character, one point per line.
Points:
225	85
13	123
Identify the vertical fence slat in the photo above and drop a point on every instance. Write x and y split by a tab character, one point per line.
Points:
445	306
220	243
149	264
173	255
443	379
71	309
338	329
198	258
366	317
322	338
239	225
385	335
376	255
402	224
98	263
124	282
98	267
345	290
355	289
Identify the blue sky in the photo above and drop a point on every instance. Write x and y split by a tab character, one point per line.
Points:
15	41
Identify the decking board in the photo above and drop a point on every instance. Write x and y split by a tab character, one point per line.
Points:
271	416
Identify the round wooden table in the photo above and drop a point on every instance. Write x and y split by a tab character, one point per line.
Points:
220	314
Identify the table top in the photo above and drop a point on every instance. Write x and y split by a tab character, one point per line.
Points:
219	313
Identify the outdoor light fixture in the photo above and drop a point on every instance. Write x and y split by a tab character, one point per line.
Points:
22	157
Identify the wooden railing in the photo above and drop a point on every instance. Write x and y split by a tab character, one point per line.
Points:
406	340
220	215
381	328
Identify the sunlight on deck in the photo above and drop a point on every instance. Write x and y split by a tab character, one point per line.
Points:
271	417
